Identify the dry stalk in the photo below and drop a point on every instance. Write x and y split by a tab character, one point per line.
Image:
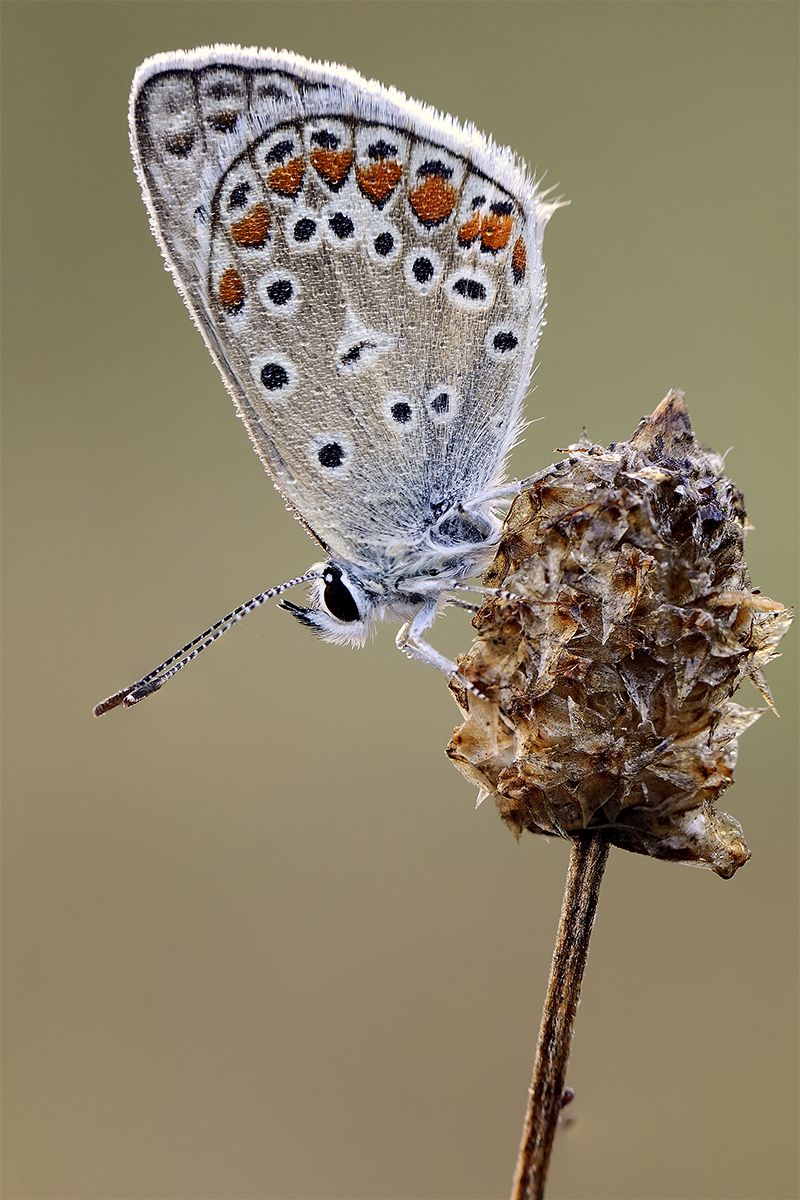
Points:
606	713
587	861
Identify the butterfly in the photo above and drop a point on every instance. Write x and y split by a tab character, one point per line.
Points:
367	274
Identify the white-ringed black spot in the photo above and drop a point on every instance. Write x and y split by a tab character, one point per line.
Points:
280	292
441	403
383	242
331	455
422	268
352	356
401	412
470	289
477	201
304	229
504	341
341	225
502	208
360	347
274	376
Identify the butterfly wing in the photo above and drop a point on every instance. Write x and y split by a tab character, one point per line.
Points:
367	275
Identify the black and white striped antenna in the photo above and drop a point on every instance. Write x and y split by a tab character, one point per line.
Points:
155	679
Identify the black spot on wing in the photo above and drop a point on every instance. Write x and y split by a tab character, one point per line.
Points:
384	244
274	376
331	455
279	153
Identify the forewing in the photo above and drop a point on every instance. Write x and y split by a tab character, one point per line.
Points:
366	273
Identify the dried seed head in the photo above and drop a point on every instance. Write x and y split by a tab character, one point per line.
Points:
608	695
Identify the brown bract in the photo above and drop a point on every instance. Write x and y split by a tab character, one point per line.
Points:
608	691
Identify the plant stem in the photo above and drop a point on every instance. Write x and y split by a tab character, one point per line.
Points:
587	862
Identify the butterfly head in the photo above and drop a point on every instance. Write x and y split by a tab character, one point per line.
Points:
345	610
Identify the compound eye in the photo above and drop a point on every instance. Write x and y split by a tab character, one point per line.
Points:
338	598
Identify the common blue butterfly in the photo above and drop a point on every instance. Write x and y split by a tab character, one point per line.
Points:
367	274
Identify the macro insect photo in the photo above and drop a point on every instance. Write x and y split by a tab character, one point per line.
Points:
525	381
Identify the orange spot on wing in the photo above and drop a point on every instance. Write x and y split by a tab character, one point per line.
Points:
287	179
379	180
470	230
433	201
519	260
231	290
332	165
253	229
496	231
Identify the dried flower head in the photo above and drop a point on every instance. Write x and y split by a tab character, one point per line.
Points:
608	691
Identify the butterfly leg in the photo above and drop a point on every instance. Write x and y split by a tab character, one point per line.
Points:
500	593
472	608
410	642
507	491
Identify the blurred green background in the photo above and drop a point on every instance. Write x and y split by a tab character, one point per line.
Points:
258	943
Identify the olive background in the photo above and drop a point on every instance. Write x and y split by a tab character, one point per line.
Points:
258	943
